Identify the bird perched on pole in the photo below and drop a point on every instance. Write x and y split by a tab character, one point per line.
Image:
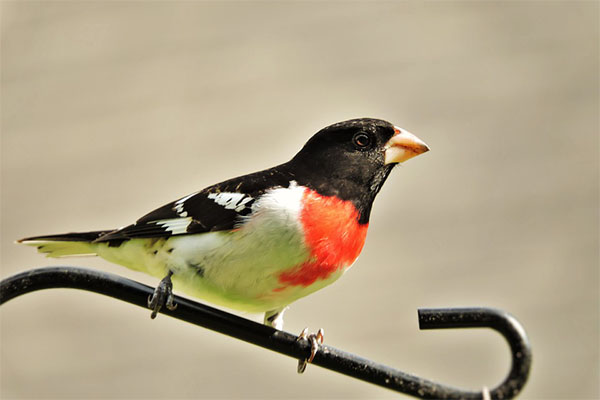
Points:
261	241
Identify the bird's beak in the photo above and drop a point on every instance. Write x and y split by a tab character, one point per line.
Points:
403	146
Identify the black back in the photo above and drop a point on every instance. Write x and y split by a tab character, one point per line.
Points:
344	160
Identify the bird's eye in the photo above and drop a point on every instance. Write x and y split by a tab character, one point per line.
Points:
361	140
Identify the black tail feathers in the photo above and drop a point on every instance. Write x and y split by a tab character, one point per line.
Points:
67	237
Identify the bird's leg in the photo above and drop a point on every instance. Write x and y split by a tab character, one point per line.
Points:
274	318
163	295
315	340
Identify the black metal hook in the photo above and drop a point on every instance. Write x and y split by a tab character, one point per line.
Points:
286	343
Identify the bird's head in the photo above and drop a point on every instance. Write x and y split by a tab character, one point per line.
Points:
352	159
358	149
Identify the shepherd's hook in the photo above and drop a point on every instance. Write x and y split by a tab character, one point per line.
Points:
286	343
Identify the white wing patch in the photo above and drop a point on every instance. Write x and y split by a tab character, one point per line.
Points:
231	201
178	207
176	226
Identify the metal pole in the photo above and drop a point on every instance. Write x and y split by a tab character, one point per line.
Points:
288	344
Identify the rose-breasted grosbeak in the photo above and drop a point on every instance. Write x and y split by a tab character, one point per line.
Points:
261	241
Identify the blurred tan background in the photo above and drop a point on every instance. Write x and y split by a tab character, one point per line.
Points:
111	109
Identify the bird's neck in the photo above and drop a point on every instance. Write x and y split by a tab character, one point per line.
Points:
361	191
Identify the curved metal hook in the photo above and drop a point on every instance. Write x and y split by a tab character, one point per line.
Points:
501	321
286	343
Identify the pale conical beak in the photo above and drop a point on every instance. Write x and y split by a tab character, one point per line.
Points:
403	146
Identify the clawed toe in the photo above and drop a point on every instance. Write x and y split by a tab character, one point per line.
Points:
315	339
163	295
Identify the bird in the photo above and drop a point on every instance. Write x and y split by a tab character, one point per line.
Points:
258	242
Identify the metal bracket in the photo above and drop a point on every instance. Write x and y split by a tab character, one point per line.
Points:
285	343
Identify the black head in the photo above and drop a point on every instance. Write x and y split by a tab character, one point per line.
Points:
352	159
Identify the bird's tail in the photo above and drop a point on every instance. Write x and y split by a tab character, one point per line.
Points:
67	244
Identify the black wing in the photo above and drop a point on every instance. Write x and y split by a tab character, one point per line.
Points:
216	208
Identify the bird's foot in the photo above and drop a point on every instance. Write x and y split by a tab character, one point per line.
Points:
163	295
315	339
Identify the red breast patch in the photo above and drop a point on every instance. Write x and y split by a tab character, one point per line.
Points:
333	235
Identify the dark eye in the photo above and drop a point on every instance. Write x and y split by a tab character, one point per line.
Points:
361	140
